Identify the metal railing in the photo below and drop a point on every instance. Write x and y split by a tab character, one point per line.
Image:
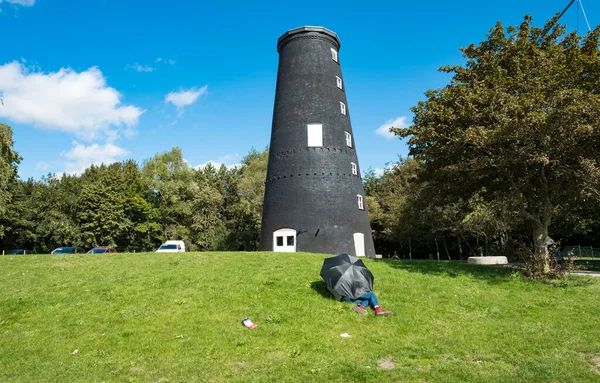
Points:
581	251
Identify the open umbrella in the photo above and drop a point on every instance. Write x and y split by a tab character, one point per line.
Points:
347	275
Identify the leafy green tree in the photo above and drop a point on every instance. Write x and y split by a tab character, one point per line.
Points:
209	226
170	181
20	216
245	208
9	160
396	214
101	206
143	232
518	124
54	205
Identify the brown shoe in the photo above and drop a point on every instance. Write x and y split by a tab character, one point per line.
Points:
383	312
360	310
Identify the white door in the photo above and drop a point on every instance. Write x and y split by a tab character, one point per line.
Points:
284	241
359	244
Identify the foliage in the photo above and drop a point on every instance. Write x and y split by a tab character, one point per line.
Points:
137	208
9	159
515	133
247	213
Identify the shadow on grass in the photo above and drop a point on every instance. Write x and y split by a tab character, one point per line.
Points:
454	269
490	274
592	265
321	288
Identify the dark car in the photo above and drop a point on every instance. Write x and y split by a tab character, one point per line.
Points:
102	250
68	250
19	251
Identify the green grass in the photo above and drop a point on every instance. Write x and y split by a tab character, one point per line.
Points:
177	318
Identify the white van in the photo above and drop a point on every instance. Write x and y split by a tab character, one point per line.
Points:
171	247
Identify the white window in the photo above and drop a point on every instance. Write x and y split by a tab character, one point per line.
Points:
354	168
343	108
348	139
284	240
361	205
334	55
315	135
339	82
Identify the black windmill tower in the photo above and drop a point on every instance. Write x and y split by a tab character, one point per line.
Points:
314	198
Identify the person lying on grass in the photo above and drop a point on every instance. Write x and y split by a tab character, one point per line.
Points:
362	302
366	300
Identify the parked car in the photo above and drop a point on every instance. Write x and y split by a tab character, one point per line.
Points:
102	250
171	247
68	250
19	251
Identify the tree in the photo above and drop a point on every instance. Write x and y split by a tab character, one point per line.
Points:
245	209
9	159
143	231
208	221
101	207
517	124
171	183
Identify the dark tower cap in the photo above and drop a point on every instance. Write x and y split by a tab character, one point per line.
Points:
307	30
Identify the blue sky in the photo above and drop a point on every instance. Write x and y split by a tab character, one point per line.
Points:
101	81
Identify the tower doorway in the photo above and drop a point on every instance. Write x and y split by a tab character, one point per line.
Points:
359	244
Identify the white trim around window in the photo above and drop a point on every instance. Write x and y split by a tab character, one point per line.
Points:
361	204
348	139
334	55
354	168
343	108
338	81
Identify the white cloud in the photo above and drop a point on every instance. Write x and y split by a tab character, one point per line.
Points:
80	103
168	61
142	68
384	130
81	157
185	98
25	3
380	171
229	160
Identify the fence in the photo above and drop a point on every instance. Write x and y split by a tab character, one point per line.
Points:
581	251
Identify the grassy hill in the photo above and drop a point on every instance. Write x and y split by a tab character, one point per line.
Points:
177	318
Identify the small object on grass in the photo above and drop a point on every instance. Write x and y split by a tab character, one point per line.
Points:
345	335
248	323
75	352
182	336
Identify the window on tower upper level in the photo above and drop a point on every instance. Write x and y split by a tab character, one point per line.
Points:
354	169
348	139
334	55
361	204
315	134
343	108
338	81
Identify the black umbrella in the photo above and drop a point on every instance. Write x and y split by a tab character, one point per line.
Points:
347	275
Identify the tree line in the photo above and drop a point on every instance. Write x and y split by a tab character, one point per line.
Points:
135	207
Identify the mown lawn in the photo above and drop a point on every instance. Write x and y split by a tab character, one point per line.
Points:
177	318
